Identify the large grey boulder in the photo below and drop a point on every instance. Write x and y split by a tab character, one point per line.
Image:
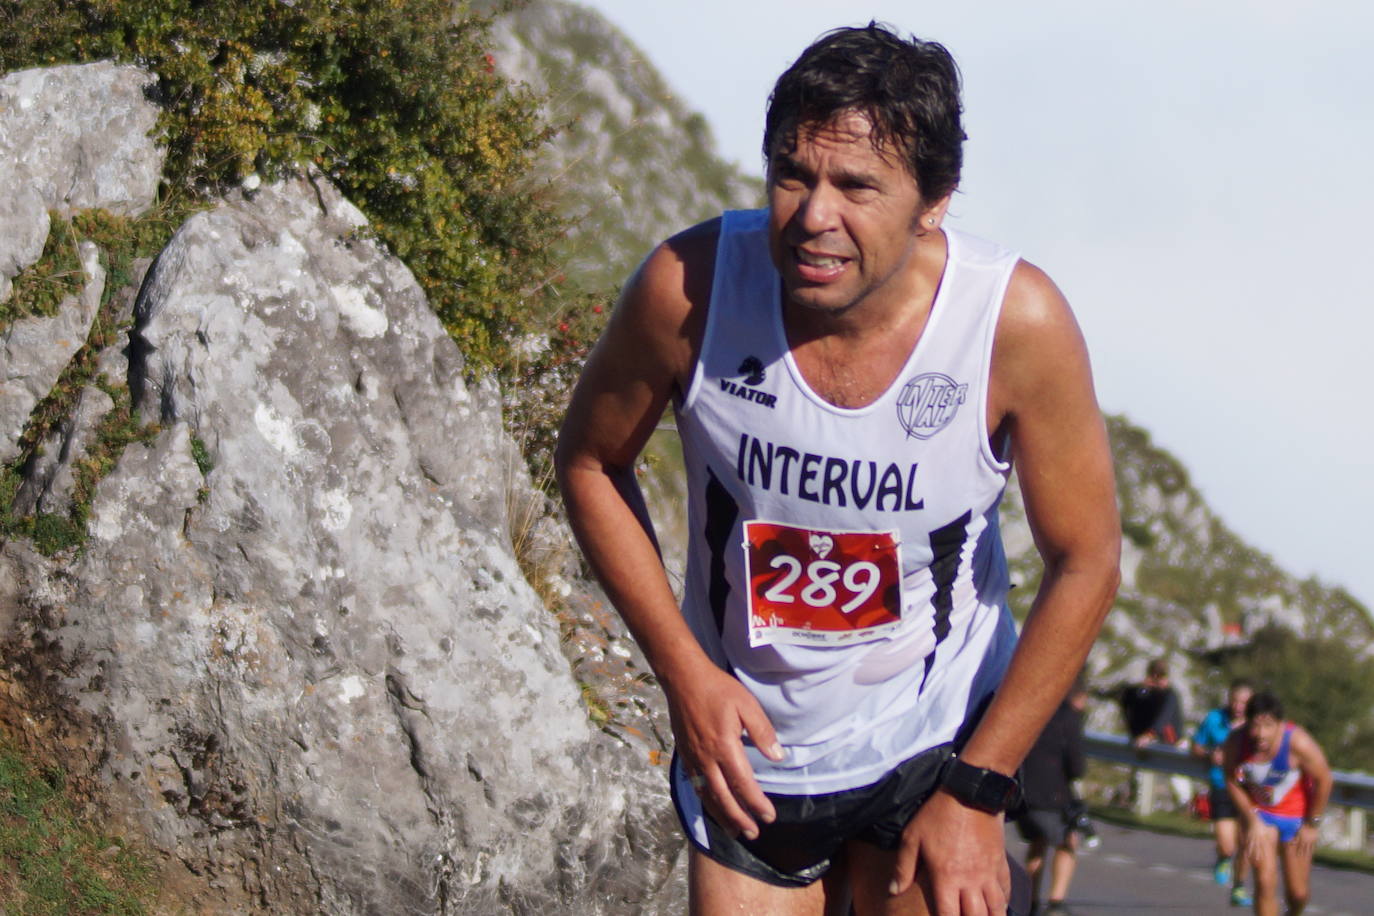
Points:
297	653
306	661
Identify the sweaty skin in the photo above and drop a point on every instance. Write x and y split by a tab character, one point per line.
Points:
861	255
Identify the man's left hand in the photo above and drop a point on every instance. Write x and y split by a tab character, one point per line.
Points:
1306	840
960	855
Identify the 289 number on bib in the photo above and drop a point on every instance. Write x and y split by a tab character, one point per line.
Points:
860	580
810	587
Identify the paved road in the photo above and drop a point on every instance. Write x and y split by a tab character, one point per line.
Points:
1137	872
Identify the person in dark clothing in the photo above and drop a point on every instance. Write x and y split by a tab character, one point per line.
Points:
1050	816
1152	708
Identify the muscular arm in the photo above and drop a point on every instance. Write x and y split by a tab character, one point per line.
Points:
1042	395
1042	387
1309	757
646	353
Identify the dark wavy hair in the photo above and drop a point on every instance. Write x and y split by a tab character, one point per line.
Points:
1264	703
908	90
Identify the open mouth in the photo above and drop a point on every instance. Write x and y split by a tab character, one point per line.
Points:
818	266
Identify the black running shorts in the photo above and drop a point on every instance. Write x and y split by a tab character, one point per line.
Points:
798	847
1220	805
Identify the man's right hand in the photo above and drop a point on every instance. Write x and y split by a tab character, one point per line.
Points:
1260	839
711	711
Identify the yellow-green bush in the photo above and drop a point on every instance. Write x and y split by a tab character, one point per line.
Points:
397	101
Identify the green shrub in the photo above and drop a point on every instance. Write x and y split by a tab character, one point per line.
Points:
396	101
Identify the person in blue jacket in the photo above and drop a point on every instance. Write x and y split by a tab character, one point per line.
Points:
1207	742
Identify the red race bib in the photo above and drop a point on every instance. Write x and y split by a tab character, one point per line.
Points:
821	588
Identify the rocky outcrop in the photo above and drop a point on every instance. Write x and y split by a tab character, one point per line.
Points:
71	138
35	350
630	164
296	651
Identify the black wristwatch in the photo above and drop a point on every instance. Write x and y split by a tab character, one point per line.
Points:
986	790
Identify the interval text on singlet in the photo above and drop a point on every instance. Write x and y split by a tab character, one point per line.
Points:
826	479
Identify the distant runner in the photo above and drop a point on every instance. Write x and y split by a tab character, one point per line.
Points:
852	381
1279	781
1049	822
1207	743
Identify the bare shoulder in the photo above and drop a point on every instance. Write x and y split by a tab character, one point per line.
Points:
646	353
676	264
1306	746
1041	399
663	306
1039	348
1033	308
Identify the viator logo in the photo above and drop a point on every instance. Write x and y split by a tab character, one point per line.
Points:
753	372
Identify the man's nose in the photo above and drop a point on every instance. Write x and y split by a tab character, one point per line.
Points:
818	211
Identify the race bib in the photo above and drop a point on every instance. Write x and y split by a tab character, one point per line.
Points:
821	588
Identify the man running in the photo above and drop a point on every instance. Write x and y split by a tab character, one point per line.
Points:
1279	781
1207	743
1047	822
852	382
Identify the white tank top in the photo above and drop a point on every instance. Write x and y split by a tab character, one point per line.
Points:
845	564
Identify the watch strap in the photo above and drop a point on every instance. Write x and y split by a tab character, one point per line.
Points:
981	788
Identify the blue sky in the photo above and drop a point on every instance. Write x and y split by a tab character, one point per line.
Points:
1195	176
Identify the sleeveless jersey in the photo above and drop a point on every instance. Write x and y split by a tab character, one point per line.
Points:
1275	786
845	564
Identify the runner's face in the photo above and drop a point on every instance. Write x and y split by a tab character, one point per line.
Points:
1237	700
1264	732
844	216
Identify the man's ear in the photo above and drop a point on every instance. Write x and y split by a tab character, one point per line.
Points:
934	215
